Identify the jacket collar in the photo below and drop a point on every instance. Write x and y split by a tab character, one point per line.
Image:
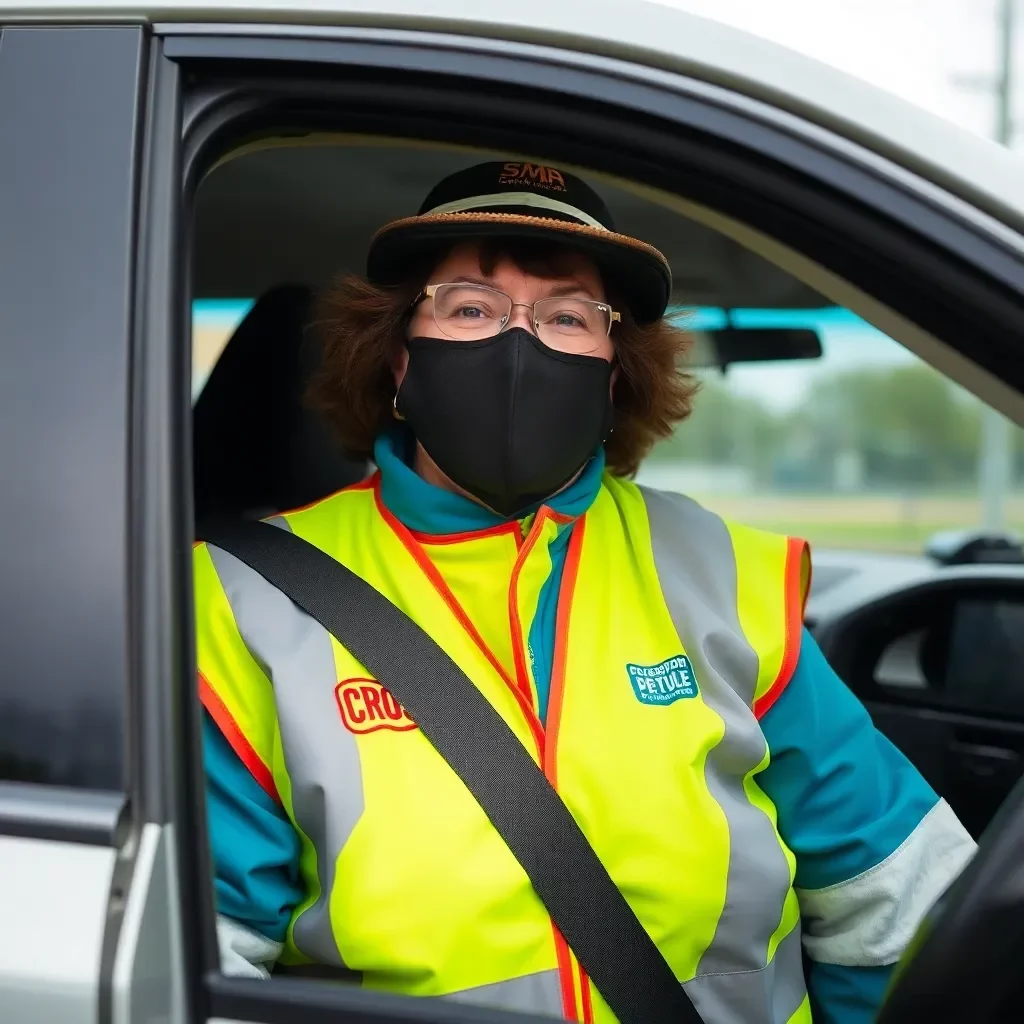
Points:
424	508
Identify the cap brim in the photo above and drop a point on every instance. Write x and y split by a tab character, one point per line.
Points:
637	271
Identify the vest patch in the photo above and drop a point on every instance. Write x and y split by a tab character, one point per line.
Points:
664	683
366	706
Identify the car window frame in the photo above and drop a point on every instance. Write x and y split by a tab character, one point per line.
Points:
231	73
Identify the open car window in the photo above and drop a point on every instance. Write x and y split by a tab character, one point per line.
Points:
809	422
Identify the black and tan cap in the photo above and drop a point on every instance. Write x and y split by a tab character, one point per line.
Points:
524	200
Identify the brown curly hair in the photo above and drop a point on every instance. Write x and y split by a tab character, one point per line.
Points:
362	328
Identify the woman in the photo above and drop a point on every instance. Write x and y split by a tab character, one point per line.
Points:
507	364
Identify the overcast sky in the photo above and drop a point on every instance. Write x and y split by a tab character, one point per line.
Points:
916	48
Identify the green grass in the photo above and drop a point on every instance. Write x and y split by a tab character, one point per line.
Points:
865	522
909	538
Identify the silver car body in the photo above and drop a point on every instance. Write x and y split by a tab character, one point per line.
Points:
57	898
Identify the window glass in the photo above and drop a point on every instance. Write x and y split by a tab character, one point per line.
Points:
69	129
213	323
864	447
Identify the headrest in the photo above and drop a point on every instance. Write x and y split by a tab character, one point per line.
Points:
256	449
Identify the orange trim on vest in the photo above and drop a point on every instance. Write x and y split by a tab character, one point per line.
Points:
565	960
236	738
588	1006
796	599
570	571
566	975
430	571
459	538
518	652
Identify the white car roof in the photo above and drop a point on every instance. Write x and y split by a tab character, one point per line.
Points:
659	36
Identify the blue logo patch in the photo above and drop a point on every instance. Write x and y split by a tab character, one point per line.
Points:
663	684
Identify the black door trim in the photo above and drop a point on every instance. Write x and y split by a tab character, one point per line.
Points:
166	750
303	1001
651	91
786	116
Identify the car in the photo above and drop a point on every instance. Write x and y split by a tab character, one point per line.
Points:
159	153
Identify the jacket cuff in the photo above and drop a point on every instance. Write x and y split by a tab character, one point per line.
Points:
245	953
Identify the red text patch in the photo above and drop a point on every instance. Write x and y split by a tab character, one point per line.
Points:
366	706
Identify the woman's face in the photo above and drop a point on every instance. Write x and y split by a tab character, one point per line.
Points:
580	279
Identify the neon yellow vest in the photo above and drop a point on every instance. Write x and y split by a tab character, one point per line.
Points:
675	630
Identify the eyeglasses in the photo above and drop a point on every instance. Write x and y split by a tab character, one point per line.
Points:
471	312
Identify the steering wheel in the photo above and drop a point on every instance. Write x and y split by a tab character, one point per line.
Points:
963	966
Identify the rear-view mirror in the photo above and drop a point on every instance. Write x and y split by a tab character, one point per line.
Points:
731	345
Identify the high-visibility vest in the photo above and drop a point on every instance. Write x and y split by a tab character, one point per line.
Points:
675	631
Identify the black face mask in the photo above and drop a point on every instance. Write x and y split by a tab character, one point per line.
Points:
507	419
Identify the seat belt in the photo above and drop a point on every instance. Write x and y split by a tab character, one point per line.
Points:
589	910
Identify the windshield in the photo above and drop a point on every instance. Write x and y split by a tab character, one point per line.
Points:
866	447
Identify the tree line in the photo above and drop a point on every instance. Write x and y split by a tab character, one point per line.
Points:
903	427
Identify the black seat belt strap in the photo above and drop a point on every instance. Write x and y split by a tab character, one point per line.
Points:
599	925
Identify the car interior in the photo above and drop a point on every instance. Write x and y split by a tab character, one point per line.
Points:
276	221
278	218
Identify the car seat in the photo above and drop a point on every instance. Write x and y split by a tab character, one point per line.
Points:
256	449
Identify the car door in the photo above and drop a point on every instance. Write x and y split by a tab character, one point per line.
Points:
77	857
114	507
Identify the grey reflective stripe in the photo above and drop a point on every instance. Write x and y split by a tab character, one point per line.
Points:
774	993
789	989
535	993
696	565
323	760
